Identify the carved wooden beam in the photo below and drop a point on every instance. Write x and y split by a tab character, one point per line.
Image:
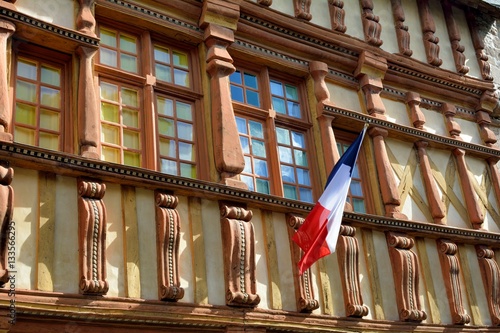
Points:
450	267
478	43
92	237
6	210
85	21
371	27
238	241
266	3
370	71
337	15
484	108
406	272
491	280
7	28
167	247
402	33
428	30
454	33
302	9
417	117
449	111
306	301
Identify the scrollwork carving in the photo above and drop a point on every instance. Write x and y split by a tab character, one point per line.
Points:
402	33
428	29
490	273
6	210
337	15
371	26
302	9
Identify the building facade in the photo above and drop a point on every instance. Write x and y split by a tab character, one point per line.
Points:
157	157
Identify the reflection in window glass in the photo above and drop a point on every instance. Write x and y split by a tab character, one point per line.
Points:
355	196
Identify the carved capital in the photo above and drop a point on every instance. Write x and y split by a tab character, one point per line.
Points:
221	13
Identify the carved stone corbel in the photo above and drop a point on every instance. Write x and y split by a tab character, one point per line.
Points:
402	33
238	241
370	71
6	210
337	15
167	247
92	237
485	107
478	43
85	21
302	9
449	111
406	272
417	117
454	33
450	267
491	280
306	301
428	30
371	27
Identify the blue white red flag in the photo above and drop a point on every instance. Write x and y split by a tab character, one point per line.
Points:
317	237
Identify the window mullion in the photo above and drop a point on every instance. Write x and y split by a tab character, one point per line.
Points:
274	163
149	136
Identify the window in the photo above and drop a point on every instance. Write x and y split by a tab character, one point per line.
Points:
148	112
39	102
273	130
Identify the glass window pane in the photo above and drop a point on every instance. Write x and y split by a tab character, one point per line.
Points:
249	181
49	120
165	106
24	135
181	78
355	172
358	205
26	69
241	123
287	174
283	136
256	129
110	112
108	37
48	141
300	157
188	170
306	194
51	76
245	146
26	91
166	127
291	92
109	91
163	73
251	81
131	139
356	189
262	186
110	154
298	140
294	109
128	44
303	177
180	59
130	118
184	111
25	114
185	131
168	148
235	77
50	97
110	134
108	57
276	88
131	158
248	164
285	155
168	166
128	63
290	192
253	98
162	54
129	97
186	151
279	105
237	94
260	167
258	148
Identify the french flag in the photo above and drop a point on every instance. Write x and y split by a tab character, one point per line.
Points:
317	237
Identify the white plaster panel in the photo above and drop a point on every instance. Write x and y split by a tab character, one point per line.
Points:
66	270
396	112
261	274
343	97
364	280
284	6
445	52
434	122
477	167
383	9
59	12
146	233
412	20
489	222
470	131
477	285
454	219
466	41
186	276
321	14
213	252
440	158
353	19
25	217
115	266
410	207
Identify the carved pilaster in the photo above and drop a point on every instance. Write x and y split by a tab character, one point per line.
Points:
6	209
302	9
167	247
449	111
92	237
88	107
491	280
402	33
371	27
306	301
485	107
337	15
7	28
370	72
454	33
476	216
436	205
417	117
85	21
478	43
428	30
386	177
238	241
406	272
347	254
450	267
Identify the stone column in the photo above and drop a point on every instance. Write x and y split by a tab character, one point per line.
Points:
7	28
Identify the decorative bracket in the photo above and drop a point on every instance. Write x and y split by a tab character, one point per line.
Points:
302	9
428	29
337	15
371	26
6	210
402	33
491	280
